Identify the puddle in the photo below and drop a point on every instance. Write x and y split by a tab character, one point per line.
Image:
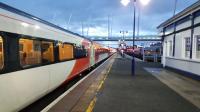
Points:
154	71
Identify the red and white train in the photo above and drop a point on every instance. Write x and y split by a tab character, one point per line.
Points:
36	57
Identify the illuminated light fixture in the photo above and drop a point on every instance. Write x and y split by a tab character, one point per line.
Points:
37	27
125	2
25	24
144	2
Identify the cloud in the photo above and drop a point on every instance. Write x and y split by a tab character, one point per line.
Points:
94	14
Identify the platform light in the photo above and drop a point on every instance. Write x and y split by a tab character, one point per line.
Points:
125	2
25	24
144	2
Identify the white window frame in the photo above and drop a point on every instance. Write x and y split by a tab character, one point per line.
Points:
170	48
196	51
185	48
166	49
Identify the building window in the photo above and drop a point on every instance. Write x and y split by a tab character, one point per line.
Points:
187	47
166	48
47	52
198	47
1	53
30	52
170	48
65	52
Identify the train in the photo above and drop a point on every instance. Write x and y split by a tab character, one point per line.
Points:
36	57
151	54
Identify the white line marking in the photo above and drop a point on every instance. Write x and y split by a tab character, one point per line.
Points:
47	108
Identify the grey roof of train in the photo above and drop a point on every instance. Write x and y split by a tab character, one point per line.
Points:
180	14
24	14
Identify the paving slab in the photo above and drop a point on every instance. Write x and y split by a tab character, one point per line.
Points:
184	86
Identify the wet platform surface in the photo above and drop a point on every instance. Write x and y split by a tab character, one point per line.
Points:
143	92
184	86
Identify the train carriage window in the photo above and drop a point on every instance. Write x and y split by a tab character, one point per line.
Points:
1	53
80	52
47	52
65	52
30	52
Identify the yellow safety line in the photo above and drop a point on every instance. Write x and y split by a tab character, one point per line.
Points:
102	82
93	102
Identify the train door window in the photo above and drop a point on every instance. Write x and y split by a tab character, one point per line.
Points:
198	47
30	52
187	47
47	52
65	52
1	53
80	52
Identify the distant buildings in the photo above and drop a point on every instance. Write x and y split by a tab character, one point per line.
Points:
181	41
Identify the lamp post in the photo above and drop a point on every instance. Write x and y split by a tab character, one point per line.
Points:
175	6
123	40
125	3
133	60
123	33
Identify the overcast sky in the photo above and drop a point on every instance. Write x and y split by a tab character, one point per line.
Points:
94	14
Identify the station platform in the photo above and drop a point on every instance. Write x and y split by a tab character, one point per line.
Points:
112	88
142	92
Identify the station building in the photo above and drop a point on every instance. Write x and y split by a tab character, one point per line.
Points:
181	41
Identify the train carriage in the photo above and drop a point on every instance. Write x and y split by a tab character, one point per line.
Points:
36	57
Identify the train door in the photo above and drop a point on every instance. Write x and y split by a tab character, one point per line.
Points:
92	55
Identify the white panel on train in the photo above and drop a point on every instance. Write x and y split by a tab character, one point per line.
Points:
59	73
19	88
22	25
